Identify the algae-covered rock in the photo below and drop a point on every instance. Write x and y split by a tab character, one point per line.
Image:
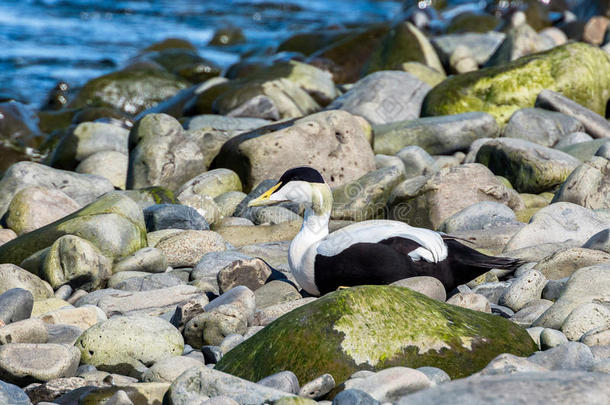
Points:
372	328
114	224
576	70
131	91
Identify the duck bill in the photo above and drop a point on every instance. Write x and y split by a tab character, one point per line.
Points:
264	199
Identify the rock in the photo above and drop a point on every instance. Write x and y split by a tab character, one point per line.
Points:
521	40
568	356
12	276
26	331
589	284
87	139
80	187
564	262
170	368
148	259
584	318
584	150
572	139
265	316
275	292
63	334
82	317
208	185
506	364
120	393
240	297
252	273
6	235
274	149
429	286
551	387
130	91
595	29
482	45
211	354
431	202
34	207
210	328
13	395
48	305
149	281
424	73
599	241
562	69
530	312
284	381
416	161
341	352
597	337
198	384
436	135
128	344
186	248
318	387
53	389
384	97
476	302
109	164
526	288
550	338
462	60
24	363
153	302
529	167
15	305
492	291
553	289
482	215
232	125
391	384
588	185
273	215
366	197
173	216
543	127
230	341
590	115
284	231
354	397
559	222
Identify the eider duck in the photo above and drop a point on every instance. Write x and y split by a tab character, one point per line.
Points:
368	252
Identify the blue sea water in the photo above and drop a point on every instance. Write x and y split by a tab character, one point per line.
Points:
45	41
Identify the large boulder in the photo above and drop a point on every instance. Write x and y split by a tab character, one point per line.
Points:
588	185
531	168
83	188
334	142
576	70
114	224
384	97
372	328
448	191
130	91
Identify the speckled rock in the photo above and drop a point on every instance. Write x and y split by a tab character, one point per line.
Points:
201	190
34	207
584	318
318	387
589	284
210	328
564	262
599	337
264	316
170	368
12	276
588	185
509	364
24	363
270	152
526	288
436	135
429	286
148	259
483	215
476	302
384	97
343	352
186	248
128	344
31	330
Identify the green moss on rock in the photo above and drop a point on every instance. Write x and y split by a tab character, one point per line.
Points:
577	70
372	328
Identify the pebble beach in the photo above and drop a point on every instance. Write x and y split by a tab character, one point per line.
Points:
133	269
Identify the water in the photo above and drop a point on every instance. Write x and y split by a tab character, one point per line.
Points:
45	41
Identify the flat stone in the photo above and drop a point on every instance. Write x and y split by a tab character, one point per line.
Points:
429	286
483	45
543	127
53	389
492	291
284	381
584	318
186	248
530	312
168	369
24	363
230	341
149	282
148	259
15	305
50	304
234	125
173	216
564	262
476	302
391	384
25	331
481	215
526	288
567	356
240	297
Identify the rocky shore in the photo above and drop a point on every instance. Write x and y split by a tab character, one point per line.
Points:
132	270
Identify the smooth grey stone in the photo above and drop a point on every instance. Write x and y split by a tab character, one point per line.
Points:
535	333
230	341
550	338
211	354
390	384
241	297
173	216
429	286
473	301
584	151
599	241
588	185
492	291
318	387
198	384
149	282
148	259
483	215
32	330
382	161
595	125
384	97
168	369
362	374
63	334
11	394
273	215
572	139
528	314
275	292
584	318
507	363
25	363
233	125
553	289
482	45
261	107
524	289
501	310
555	387
435	375
540	126
354	397
604	151
15	305
416	161
64	292
568	356
285	381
